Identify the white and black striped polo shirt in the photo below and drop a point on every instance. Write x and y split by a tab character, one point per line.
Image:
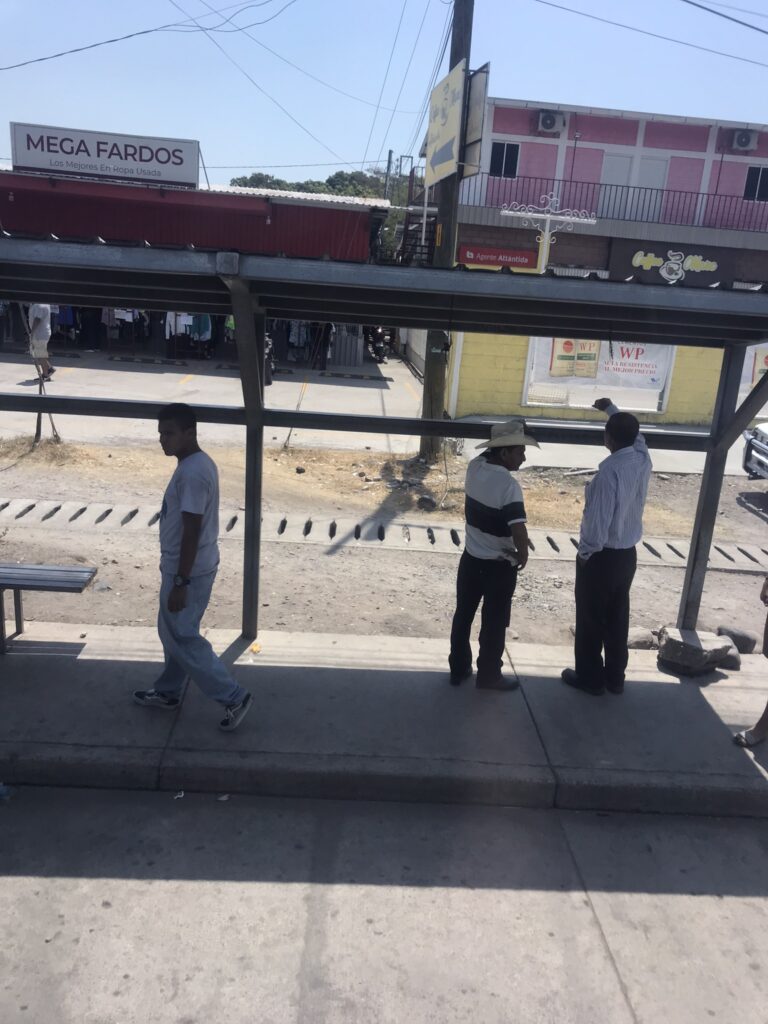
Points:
493	503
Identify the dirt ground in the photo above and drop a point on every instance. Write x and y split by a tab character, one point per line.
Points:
393	593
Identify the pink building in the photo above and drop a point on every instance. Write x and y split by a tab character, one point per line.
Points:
625	167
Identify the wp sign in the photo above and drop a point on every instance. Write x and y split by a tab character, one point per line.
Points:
105	155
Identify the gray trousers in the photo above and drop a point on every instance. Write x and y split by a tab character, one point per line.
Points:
187	654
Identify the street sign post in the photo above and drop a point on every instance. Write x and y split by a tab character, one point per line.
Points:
446	106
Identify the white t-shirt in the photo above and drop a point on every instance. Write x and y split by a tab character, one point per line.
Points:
42	332
194	487
493	503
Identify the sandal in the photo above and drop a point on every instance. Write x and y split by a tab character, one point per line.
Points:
741	739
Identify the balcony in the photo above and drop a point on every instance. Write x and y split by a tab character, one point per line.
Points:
620	202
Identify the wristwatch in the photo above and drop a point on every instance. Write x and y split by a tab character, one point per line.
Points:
181	581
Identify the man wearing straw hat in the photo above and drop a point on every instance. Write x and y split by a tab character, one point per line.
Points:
496	549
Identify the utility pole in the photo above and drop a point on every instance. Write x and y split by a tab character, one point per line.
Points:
390	158
446	232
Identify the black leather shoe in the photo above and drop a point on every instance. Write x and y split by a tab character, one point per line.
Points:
457	678
616	688
570	678
498	682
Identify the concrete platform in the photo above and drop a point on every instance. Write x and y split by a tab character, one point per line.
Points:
374	718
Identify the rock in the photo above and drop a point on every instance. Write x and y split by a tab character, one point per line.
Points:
744	641
641	639
691	653
300	469
732	660
426	504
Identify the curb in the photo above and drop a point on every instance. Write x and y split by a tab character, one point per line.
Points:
342	777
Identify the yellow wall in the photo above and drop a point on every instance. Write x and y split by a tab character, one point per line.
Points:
492	375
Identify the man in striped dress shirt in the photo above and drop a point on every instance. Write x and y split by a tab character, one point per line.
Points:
496	548
611	526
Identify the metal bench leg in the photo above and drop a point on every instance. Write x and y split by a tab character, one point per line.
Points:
18	611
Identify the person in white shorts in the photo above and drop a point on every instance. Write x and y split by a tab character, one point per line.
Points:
39	336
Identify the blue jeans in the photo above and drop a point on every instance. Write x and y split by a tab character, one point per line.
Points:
187	654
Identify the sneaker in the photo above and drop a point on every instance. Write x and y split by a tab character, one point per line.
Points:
155	699
235	713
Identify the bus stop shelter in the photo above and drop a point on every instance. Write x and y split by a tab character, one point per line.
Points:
255	288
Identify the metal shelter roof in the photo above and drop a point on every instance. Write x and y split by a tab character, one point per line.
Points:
501	303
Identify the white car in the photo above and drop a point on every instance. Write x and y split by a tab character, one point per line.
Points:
755	460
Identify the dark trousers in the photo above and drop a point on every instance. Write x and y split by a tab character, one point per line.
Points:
602	615
493	583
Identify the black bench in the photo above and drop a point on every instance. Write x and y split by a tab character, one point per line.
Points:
65	579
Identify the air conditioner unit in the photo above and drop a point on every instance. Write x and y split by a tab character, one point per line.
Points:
551	121
744	140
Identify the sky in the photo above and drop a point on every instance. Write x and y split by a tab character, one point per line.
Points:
178	84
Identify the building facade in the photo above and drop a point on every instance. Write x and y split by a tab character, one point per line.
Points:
676	201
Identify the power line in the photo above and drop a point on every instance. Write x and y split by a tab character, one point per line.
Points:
443	45
173	26
263	91
728	17
402	83
383	84
653	35
741	10
433	78
308	74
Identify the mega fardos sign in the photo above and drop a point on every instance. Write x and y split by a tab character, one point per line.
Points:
134	158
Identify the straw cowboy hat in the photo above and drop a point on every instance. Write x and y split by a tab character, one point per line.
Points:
508	434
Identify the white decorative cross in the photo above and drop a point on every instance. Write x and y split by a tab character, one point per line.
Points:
547	219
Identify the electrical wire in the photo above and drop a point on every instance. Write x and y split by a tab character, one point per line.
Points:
383	84
262	90
653	35
402	83
741	10
443	45
173	26
728	17
264	167
308	74
433	78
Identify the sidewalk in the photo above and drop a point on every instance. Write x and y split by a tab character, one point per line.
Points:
375	718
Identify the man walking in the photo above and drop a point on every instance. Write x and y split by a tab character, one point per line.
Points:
496	549
611	526
39	336
189	558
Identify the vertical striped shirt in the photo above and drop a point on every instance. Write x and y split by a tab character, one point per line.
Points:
493	504
615	499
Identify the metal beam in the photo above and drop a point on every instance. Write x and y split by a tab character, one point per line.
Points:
250	330
594	303
549	431
709	493
747	411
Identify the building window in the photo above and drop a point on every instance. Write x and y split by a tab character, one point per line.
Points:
756	186
504	157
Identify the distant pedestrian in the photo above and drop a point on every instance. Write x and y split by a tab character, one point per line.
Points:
189	559
39	336
496	549
759	731
611	526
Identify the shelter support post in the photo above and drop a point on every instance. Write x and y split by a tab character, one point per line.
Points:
250	332
711	486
